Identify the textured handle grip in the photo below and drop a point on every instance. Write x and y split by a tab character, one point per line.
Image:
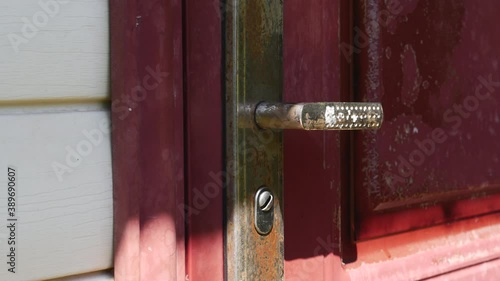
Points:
319	116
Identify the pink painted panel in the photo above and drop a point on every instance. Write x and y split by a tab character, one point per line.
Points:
204	140
147	139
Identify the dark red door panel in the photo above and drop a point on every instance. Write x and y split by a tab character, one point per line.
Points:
434	66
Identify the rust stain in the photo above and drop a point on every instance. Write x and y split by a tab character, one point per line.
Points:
253	73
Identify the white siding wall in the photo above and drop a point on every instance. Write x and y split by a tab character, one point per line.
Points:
68	57
54	83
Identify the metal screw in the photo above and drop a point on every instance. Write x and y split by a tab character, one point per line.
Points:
265	200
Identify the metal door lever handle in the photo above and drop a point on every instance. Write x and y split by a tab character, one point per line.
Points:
319	116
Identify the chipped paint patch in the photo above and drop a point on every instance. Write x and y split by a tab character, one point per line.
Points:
411	76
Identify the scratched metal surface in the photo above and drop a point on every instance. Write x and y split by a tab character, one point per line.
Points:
254	72
434	67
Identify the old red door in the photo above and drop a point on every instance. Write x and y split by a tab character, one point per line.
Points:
415	200
430	174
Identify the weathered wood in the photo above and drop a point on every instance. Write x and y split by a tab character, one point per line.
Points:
148	139
204	144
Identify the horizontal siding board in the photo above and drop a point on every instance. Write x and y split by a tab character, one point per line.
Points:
65	224
67	57
97	276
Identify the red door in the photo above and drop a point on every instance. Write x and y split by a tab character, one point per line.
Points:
414	200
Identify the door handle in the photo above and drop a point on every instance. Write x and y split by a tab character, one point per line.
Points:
318	116
254	118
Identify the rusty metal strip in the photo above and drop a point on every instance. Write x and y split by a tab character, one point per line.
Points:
254	73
